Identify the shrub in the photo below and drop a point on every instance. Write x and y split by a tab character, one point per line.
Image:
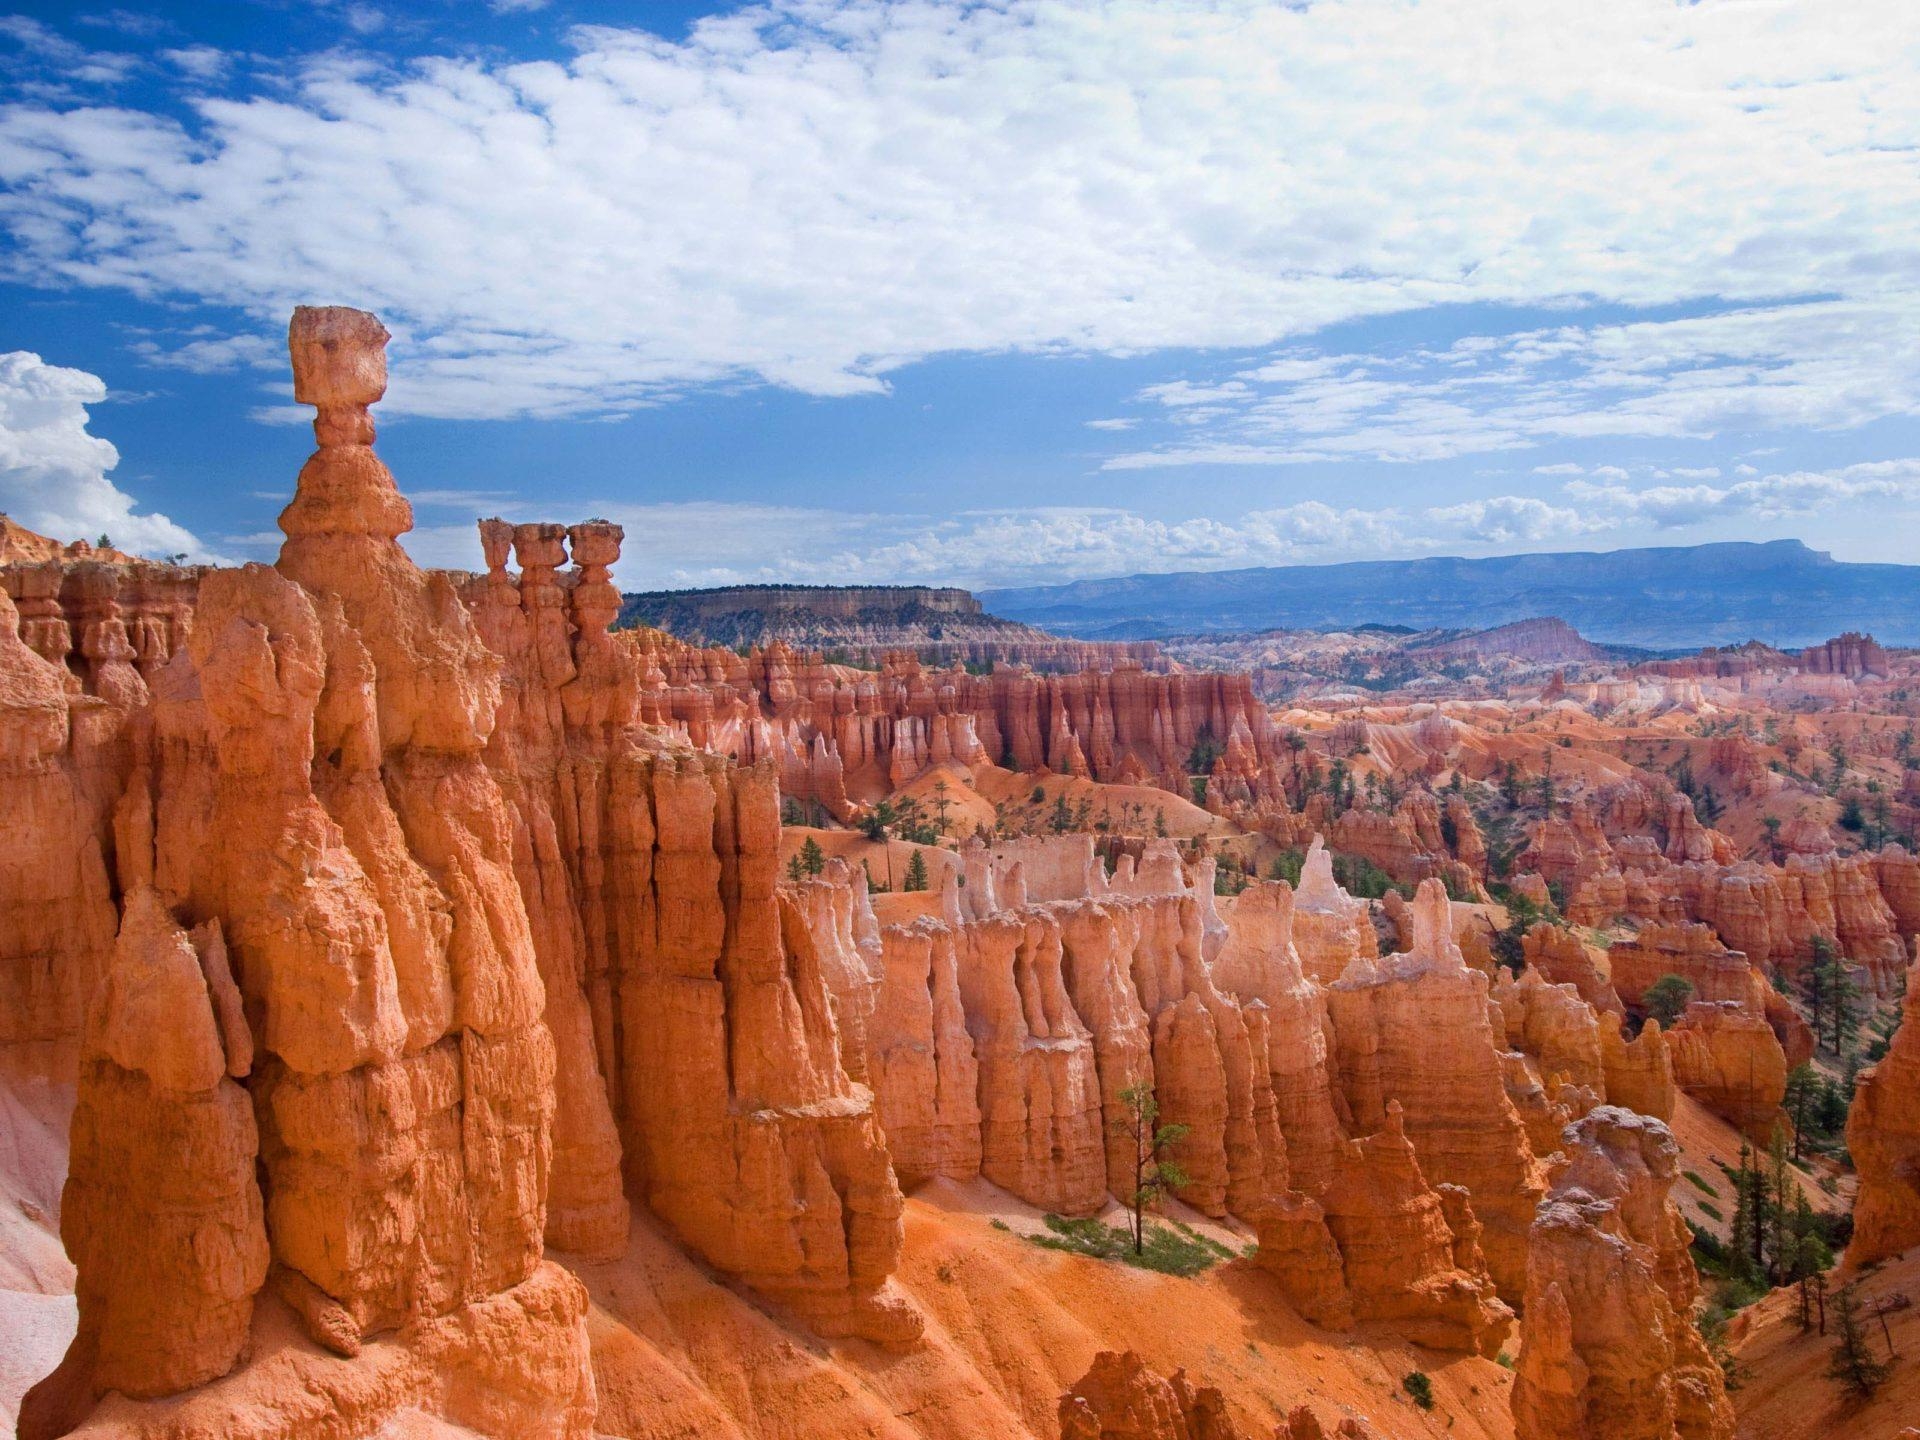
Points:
1419	1388
1170	1249
1666	999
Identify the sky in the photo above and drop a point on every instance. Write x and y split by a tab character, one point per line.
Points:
996	293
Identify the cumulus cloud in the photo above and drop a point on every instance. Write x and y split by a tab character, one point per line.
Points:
812	194
53	472
1511	519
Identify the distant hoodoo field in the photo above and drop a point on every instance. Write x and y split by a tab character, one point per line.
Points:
438	1003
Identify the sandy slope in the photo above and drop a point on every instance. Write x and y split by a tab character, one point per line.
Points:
1786	1395
1010	1327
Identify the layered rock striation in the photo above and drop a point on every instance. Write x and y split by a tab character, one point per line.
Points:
1610	1348
1883	1136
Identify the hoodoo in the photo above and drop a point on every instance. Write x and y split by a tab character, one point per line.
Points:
465	1015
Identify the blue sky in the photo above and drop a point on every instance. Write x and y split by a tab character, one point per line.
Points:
843	290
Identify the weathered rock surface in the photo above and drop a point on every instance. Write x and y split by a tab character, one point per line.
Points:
1696	955
327	716
1007	1031
1414	1028
1561	957
1400	1262
1728	1058
1119	1398
1331	929
1883	1135
1261	966
1639	1072
161	1214
847	739
1609	1347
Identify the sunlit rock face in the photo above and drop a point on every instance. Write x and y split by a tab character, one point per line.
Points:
1883	1136
1609	1346
1414	1028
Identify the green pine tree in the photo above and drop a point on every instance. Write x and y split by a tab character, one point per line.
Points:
812	858
1744	1239
1782	1244
1854	1363
1153	1174
916	878
1666	999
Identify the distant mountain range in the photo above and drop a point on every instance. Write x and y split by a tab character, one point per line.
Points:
1673	597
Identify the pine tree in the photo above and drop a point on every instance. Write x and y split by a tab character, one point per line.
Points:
1153	1174
1853	1363
1802	1085
916	878
1811	1260
1666	999
1782	1243
812	858
1817	975
1840	1006
1510	784
1831	1109
1745	1230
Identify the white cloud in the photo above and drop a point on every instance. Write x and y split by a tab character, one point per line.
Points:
1511	519
1111	424
1772	497
516	7
68	63
202	62
213	354
1827	364
813	194
681	544
716	543
53	472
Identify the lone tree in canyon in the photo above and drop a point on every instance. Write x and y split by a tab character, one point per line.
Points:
1153	1173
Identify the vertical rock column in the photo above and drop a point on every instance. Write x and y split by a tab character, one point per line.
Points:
161	1213
447	1070
1883	1135
1609	1346
553	781
1415	1028
57	914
